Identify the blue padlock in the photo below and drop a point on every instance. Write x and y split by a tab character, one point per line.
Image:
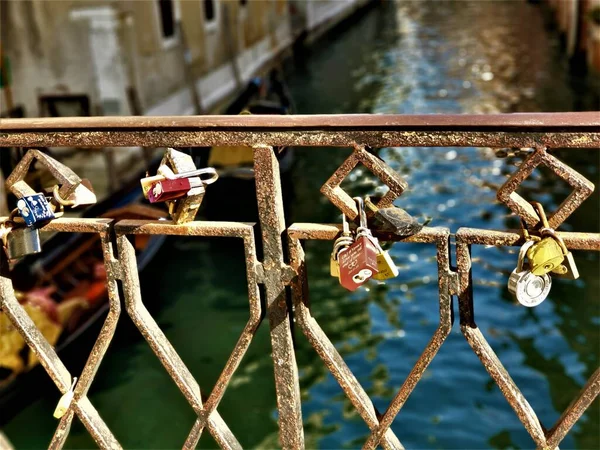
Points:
35	210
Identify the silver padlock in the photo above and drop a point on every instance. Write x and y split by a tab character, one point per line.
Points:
22	241
529	289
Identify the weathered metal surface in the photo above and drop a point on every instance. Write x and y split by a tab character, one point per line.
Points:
67	179
567	130
334	192
465	237
46	354
582	189
207	414
272	224
326	350
587	121
309	138
580	130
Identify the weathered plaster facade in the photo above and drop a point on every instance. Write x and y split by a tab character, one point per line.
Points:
102	48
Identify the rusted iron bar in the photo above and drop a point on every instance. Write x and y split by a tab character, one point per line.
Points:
100	346
327	351
465	237
431	349
207	414
274	269
46	353
588	394
588	121
325	348
578	130
582	189
477	236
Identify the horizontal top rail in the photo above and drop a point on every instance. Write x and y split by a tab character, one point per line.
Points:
519	130
523	121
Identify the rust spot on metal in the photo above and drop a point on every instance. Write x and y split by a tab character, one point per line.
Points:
566	130
334	192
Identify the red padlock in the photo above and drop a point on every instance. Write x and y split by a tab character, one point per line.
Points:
164	190
358	263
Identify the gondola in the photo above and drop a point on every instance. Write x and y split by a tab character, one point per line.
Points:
64	291
66	282
233	197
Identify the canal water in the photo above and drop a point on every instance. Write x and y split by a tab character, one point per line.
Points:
405	57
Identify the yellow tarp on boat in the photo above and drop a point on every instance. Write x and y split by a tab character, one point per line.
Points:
230	156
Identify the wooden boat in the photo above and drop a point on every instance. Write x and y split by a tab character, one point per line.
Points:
64	291
233	197
64	286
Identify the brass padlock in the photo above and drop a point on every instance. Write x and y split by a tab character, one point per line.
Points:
568	268
175	165
546	255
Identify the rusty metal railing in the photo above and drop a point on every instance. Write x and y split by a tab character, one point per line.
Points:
277	273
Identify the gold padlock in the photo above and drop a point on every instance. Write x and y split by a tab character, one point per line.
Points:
546	255
568	268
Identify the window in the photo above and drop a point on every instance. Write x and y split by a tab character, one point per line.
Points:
209	10
167	18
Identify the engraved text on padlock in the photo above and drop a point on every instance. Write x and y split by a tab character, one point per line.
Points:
357	263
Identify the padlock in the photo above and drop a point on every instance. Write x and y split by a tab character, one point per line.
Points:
65	401
340	244
358	262
529	289
148	182
568	268
35	210
177	165
170	189
546	255
22	241
386	268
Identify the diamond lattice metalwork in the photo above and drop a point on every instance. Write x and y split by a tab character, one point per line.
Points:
334	192
507	194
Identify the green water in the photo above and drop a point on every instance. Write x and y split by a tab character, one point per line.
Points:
410	57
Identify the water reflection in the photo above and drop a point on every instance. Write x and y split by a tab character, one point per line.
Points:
409	57
491	57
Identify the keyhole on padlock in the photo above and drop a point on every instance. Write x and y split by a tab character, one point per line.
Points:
362	276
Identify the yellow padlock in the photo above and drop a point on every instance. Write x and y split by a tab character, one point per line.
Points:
386	268
546	255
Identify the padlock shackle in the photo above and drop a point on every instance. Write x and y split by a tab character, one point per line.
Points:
61	201
361	211
539	209
214	176
345	225
522	253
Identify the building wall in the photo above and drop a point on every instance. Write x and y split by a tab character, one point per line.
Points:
53	47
